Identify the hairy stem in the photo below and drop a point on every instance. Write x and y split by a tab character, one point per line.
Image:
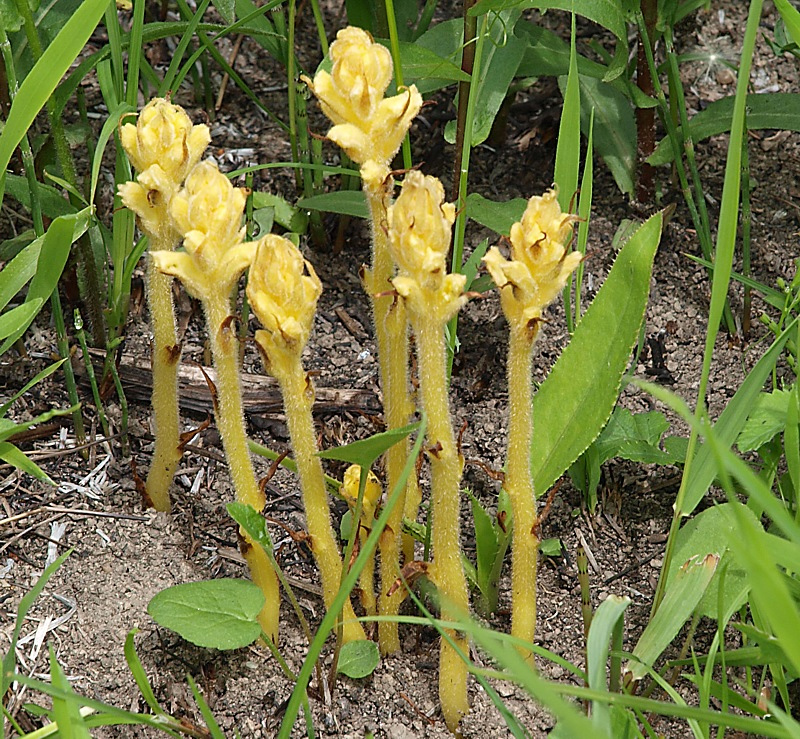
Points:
230	421
298	399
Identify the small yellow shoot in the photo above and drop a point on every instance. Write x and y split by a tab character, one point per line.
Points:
534	276
163	147
208	213
420	224
283	290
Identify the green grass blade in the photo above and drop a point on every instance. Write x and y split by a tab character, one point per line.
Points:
66	711
139	674
568	150
46	74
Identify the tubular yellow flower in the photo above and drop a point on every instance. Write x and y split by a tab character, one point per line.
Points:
367	125
537	271
163	146
283	290
208	212
419	236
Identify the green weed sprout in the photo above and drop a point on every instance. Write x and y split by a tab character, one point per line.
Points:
370	128
208	213
369	503
534	276
420	225
163	147
283	290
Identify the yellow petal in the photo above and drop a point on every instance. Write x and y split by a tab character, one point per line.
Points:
181	265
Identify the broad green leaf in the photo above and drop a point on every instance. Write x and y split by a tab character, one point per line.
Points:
680	599
358	659
14	456
366	451
710	532
227	10
51	200
604	621
499	217
730	423
577	398
485	541
18	271
635	436
426	69
778	110
568	149
264	31
614	128
502	55
39	84
219	614
344	202
767	419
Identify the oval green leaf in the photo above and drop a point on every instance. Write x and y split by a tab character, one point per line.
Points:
219	614
358	659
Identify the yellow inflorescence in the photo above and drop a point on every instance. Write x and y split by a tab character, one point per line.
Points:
163	147
367	125
283	289
208	212
539	266
420	224
372	492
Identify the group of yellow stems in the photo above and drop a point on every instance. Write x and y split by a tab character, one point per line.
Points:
178	198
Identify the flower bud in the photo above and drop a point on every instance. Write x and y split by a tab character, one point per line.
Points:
283	290
372	491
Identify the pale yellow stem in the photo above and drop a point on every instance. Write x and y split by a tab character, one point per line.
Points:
446	467
165	360
391	335
230	422
366	580
298	399
519	486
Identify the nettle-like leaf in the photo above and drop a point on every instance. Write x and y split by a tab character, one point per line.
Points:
766	420
220	614
638	437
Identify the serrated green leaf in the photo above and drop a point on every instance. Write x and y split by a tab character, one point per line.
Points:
358	659
344	202
366	451
289	216
635	436
252	522
575	401
217	614
766	420
709	533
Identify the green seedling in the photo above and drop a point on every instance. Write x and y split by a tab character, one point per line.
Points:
492	538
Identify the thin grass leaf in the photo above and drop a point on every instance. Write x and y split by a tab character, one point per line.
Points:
139	674
46	74
66	710
14	456
366	451
46	372
205	711
568	150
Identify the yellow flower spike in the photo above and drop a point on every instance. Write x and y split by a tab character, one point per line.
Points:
367	125
283	290
208	211
163	146
419	235
536	273
369	503
371	128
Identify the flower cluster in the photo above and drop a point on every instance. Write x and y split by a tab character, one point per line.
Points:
367	125
539	266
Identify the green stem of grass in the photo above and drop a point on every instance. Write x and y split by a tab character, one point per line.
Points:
394	42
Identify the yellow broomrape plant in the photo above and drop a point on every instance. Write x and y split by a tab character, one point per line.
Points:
420	225
208	213
529	281
283	290
370	128
163	147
